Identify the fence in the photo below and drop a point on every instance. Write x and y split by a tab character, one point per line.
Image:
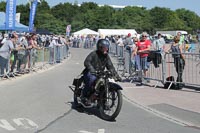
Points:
34	59
160	71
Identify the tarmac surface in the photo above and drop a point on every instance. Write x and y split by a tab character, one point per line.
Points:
182	106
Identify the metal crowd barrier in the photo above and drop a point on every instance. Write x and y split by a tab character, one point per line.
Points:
38	59
191	71
166	68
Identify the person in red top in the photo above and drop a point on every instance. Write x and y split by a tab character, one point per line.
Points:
142	49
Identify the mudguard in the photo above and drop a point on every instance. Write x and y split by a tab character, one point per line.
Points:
114	86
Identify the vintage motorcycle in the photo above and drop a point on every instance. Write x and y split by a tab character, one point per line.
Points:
108	101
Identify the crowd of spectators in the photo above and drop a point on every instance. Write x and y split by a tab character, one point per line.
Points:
144	48
18	51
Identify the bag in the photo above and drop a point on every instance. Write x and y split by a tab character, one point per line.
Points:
168	82
77	81
179	86
12	57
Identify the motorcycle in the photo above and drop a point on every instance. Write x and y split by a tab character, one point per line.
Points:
109	98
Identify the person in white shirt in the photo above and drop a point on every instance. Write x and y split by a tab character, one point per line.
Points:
121	46
159	43
5	51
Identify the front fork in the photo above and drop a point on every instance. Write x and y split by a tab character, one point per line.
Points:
107	94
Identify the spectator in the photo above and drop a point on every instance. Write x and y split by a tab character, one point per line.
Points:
5	53
4	39
121	46
33	50
14	52
179	60
51	47
22	56
142	48
135	58
128	41
181	40
159	43
58	49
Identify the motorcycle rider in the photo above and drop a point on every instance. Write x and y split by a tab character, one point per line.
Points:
96	61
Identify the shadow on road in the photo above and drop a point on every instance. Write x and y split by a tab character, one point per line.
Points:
88	111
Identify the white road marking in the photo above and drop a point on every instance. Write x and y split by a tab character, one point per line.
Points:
84	132
99	131
22	122
6	125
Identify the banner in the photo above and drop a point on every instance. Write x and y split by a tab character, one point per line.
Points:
32	15
10	14
68	29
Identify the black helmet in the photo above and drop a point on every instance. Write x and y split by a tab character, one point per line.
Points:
103	46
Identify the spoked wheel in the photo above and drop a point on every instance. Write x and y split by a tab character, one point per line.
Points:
110	107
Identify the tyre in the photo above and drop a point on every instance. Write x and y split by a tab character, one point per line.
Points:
110	107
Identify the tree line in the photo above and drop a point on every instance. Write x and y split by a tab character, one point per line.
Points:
90	15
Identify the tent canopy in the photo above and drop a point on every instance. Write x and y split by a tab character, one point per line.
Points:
109	32
18	26
86	31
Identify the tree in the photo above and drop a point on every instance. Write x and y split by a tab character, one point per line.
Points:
43	7
3	6
190	19
158	16
65	12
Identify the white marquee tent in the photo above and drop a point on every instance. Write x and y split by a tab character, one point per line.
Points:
86	31
109	32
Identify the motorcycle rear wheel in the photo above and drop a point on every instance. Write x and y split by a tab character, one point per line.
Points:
76	95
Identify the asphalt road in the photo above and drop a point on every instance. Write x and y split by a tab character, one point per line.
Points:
41	103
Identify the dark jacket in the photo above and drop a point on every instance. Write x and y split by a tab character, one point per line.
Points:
155	57
96	61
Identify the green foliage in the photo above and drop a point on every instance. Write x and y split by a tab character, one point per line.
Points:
3	6
90	15
189	18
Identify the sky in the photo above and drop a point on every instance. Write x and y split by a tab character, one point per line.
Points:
192	5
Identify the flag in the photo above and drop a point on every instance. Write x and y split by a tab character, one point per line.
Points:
32	14
68	30
30	1
10	14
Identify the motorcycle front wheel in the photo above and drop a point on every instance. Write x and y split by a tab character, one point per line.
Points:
109	107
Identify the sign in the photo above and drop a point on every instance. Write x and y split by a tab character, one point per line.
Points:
68	30
10	14
17	18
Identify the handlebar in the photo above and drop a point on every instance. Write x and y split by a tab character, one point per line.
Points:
102	73
106	74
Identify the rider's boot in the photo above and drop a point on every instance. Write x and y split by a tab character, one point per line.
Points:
85	101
